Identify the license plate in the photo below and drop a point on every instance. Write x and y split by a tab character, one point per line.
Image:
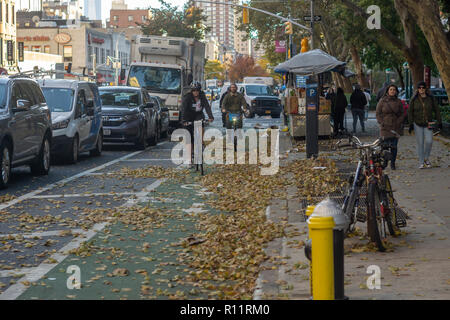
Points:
268	111
106	132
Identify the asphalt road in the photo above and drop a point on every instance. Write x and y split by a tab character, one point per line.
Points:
46	218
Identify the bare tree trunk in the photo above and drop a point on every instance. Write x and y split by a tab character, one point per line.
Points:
400	76
426	15
362	79
414	56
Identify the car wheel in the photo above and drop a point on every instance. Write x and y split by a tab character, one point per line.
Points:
98	147
5	160
74	151
141	144
41	166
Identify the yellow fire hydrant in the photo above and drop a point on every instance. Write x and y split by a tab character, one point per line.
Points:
321	234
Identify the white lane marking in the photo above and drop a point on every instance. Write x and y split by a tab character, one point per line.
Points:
40	234
82	195
142	196
64	181
35	274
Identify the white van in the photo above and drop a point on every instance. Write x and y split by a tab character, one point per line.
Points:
76	117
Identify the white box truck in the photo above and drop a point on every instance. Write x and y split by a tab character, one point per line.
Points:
166	66
260	80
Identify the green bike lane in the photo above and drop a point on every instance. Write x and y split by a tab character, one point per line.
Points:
129	261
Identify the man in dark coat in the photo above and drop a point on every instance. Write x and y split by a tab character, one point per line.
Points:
358	101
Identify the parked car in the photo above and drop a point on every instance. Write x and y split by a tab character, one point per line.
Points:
128	116
25	127
76	117
405	102
163	116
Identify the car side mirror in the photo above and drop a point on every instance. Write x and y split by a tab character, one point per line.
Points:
90	108
22	105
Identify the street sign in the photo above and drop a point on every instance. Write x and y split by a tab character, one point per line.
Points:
316	18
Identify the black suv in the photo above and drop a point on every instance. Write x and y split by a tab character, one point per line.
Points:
25	127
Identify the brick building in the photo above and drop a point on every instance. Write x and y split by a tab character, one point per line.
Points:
127	18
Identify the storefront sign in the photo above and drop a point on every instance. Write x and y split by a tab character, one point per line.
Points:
20	49
62	38
36	38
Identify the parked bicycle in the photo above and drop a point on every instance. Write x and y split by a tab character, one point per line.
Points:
383	214
191	125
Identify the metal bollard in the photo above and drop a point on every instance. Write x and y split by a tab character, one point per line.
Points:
329	208
321	233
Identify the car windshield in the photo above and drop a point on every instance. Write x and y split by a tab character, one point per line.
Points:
258	91
58	99
156	79
120	98
2	96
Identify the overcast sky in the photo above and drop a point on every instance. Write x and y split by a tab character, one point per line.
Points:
132	4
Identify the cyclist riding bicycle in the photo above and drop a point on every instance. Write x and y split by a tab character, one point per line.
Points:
233	103
192	106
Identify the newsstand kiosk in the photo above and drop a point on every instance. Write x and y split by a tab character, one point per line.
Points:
309	113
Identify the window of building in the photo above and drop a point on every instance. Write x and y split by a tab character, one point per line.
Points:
46	49
25	48
130	18
97	58
1	11
144	18
67	53
12	15
6	12
116	18
36	48
103	58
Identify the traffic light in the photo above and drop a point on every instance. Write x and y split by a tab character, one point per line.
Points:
68	67
288	28
245	15
305	45
190	12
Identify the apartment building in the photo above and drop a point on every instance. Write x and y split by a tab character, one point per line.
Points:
8	44
221	20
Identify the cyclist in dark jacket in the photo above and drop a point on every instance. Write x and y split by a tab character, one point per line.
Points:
192	107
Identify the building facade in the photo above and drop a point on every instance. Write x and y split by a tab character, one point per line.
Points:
8	44
241	46
212	49
119	5
85	47
221	20
127	18
93	9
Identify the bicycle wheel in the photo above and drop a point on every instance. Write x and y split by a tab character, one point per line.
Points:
375	222
390	215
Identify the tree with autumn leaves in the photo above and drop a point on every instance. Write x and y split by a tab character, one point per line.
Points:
245	66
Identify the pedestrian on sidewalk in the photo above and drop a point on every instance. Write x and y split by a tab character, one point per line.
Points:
358	102
338	113
390	117
423	116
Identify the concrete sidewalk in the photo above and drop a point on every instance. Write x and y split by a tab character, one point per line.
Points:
417	267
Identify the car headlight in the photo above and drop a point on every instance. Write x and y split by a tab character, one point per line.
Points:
130	117
253	102
61	124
